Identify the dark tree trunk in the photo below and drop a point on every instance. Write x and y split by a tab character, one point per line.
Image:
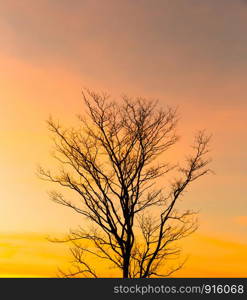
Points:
126	266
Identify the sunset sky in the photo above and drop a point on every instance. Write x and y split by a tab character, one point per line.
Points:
187	53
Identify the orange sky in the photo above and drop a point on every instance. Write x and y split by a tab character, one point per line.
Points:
190	54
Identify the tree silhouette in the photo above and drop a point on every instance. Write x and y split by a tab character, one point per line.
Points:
110	162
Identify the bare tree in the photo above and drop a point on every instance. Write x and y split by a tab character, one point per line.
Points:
110	162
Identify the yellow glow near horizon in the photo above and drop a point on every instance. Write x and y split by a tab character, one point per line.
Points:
207	257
